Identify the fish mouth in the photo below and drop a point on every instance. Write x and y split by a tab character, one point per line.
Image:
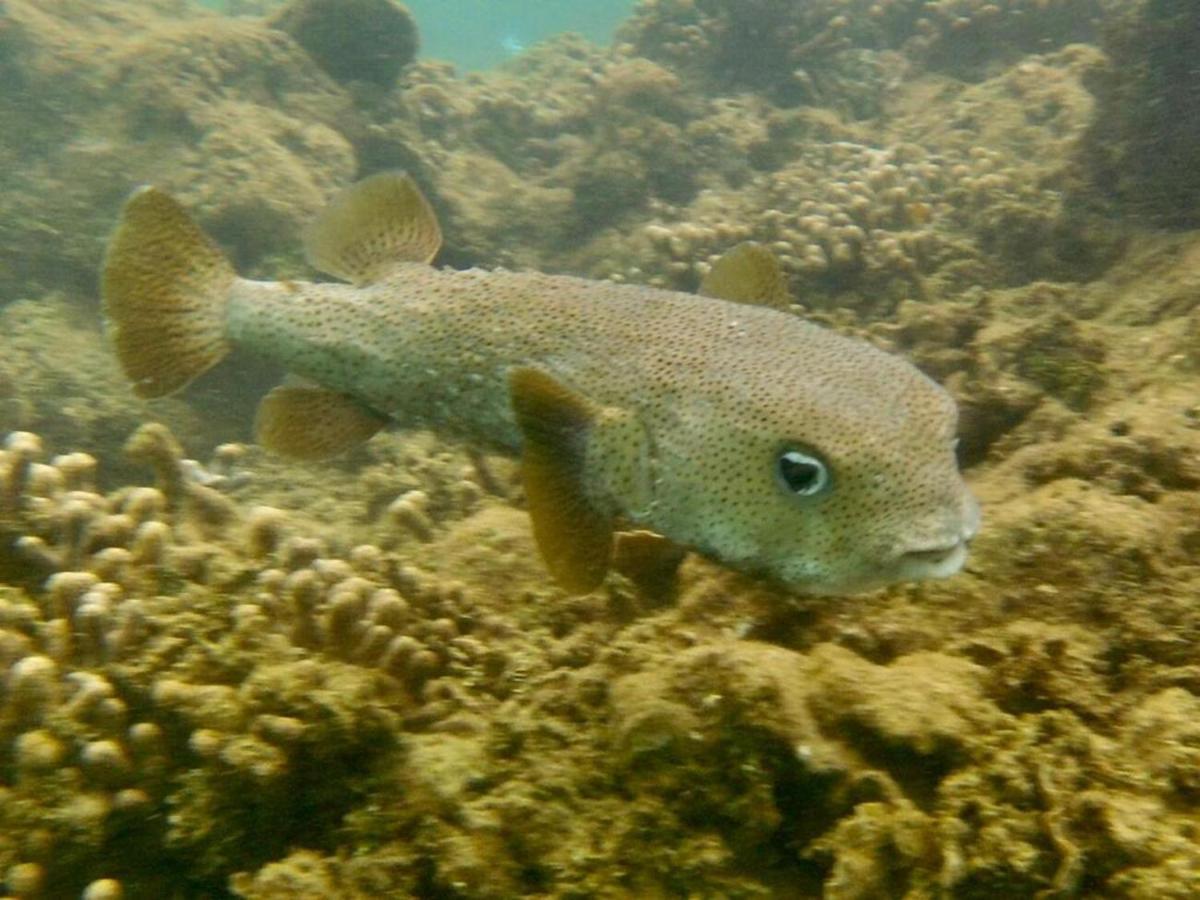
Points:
945	557
935	561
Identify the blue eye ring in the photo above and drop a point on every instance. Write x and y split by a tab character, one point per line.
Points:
801	473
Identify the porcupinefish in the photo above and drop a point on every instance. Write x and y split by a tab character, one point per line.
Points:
726	426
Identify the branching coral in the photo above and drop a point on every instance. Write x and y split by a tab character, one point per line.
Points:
171	652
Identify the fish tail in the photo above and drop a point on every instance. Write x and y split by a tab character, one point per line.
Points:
166	288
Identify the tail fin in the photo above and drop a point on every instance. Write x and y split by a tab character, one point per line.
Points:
166	286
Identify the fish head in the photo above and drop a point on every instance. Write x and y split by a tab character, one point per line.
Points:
857	509
832	482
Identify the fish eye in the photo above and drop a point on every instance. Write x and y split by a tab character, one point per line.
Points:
801	473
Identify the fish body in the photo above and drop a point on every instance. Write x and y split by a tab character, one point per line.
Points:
734	429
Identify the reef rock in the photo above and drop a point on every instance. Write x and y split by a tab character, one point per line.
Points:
352	40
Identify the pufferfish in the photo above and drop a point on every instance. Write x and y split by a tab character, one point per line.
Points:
719	422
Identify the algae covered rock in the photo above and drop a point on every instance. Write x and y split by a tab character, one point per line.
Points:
832	52
827	753
1143	148
353	40
140	94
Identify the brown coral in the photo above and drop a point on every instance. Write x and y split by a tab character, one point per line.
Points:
366	660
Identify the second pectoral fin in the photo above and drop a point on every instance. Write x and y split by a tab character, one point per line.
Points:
574	537
650	561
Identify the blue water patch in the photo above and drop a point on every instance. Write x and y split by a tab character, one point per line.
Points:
478	34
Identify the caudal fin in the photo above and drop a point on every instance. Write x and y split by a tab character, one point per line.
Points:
166	286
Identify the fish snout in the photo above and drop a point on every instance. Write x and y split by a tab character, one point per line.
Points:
942	554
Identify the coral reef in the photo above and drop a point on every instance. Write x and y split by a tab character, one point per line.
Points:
556	161
203	104
129	661
1142	151
827	52
200	680
225	675
648	183
58	379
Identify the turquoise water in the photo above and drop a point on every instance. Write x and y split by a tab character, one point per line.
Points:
478	34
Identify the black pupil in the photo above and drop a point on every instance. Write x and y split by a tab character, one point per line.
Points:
799	474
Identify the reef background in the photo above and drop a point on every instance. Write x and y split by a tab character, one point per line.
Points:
243	678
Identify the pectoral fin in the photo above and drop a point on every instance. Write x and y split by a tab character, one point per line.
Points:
574	537
371	227
749	273
312	423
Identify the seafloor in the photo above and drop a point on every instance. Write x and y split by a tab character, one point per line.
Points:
246	678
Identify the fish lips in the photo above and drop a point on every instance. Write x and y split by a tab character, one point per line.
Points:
941	559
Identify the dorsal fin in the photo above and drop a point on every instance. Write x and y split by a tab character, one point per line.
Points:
371	227
574	538
312	423
748	273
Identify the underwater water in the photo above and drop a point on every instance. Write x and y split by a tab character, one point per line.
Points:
480	34
749	450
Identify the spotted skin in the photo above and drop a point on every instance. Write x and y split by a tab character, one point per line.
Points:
700	396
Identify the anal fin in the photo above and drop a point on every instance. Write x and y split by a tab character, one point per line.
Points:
312	423
574	537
